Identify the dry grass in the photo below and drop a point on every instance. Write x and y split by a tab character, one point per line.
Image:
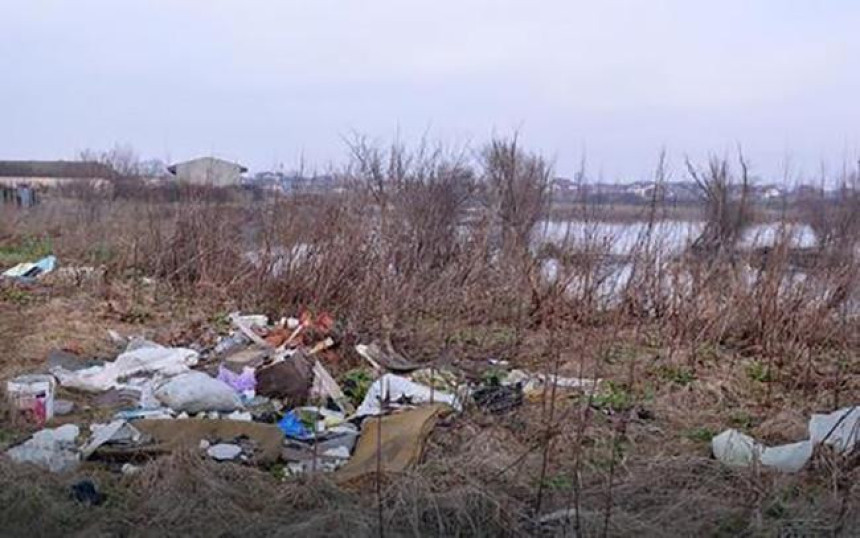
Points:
433	251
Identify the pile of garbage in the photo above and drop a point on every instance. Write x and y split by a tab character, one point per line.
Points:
262	394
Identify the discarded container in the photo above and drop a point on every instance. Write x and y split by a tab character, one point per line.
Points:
31	398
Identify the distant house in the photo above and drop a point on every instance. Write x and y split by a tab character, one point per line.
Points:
208	171
649	191
562	184
53	173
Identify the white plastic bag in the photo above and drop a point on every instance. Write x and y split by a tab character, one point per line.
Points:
391	388
194	392
149	360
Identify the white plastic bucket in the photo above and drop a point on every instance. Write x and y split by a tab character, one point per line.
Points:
31	398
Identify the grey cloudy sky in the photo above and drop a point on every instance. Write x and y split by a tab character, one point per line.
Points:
266	82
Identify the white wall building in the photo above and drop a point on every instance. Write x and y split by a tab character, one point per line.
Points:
208	171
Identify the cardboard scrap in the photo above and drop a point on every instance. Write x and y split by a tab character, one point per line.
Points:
402	442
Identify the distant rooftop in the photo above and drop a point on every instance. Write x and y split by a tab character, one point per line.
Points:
56	169
172	167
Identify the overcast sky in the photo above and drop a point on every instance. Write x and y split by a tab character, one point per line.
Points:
269	82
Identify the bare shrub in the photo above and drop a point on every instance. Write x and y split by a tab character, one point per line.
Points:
727	207
518	191
835	221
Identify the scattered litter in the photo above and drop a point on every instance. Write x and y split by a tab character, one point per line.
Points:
253	320
117	432
438	378
498	399
246	323
838	429
401	442
116	338
385	359
52	449
324	386
535	383
194	392
321	346
224	451
129	469
251	358
151	359
277	337
341	452
30	270
230	343
272	399
63	407
85	492
144	414
119	397
393	390
740	450
264	441
293	427
289	380
240	382
31	398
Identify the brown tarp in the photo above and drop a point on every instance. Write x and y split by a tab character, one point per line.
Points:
170	435
402	442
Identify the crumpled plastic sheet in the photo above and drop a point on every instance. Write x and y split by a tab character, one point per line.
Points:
240	382
116	431
293	427
52	449
150	359
391	389
840	429
33	269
